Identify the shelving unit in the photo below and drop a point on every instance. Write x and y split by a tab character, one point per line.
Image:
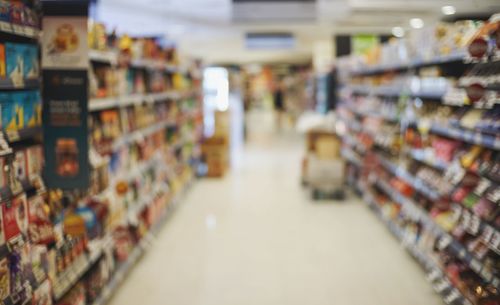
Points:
412	184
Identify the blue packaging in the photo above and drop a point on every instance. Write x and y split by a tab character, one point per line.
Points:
18	99
4	11
32	109
14	60
7	112
31	67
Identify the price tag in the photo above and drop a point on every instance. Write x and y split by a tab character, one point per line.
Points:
495	242
487	234
475	265
18	29
466	219
6	27
475	223
452	297
486	274
442	286
444	242
434	275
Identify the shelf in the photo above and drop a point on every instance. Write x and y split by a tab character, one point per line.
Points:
108	57
446	240
395	91
373	114
99	104
153	65
419	155
415	182
468	136
23	84
139	134
71	275
458	56
19	30
23	134
351	156
124	268
440	282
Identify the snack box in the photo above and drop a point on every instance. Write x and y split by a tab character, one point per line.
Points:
32	107
34	160
7	112
31	68
14	61
21	172
4	11
17	13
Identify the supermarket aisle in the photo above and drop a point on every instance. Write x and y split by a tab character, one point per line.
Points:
255	238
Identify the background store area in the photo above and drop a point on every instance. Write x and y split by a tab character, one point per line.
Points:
226	152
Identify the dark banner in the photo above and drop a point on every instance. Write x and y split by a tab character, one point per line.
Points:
65	95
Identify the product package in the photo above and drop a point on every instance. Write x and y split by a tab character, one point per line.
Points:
14	62
31	67
15	217
43	294
2	61
41	230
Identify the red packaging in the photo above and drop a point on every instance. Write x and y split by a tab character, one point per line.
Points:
15	217
444	148
41	230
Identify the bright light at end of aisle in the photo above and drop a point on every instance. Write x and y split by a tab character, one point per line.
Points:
416	23
398	31
448	10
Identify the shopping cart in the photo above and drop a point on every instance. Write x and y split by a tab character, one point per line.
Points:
323	168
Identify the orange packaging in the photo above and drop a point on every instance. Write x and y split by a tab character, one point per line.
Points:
2	60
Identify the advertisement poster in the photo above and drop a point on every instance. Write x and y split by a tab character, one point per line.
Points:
64	43
65	89
363	43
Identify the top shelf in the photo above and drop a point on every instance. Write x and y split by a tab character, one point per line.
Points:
439	60
111	57
19	30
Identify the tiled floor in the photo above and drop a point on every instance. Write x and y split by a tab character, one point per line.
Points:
255	238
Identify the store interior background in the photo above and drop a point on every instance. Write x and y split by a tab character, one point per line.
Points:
163	171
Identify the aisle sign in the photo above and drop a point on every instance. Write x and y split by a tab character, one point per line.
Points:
65	92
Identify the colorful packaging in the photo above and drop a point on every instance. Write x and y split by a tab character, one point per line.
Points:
41	230
2	60
4	11
7	112
15	217
4	278
31	68
21	171
19	98
14	61
30	115
34	160
17	13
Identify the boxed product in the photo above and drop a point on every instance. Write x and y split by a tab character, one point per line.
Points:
14	61
2	60
31	68
4	11
15	217
31	108
41	230
20	166
34	161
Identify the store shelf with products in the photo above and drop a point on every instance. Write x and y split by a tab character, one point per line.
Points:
433	160
58	239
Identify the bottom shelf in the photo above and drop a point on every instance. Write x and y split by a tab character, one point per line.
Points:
124	268
440	282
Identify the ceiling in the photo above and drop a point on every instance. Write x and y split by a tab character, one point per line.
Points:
214	30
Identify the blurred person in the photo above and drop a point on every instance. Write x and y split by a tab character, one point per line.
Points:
279	103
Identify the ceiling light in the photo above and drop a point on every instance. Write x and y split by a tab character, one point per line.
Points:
416	23
448	10
398	31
